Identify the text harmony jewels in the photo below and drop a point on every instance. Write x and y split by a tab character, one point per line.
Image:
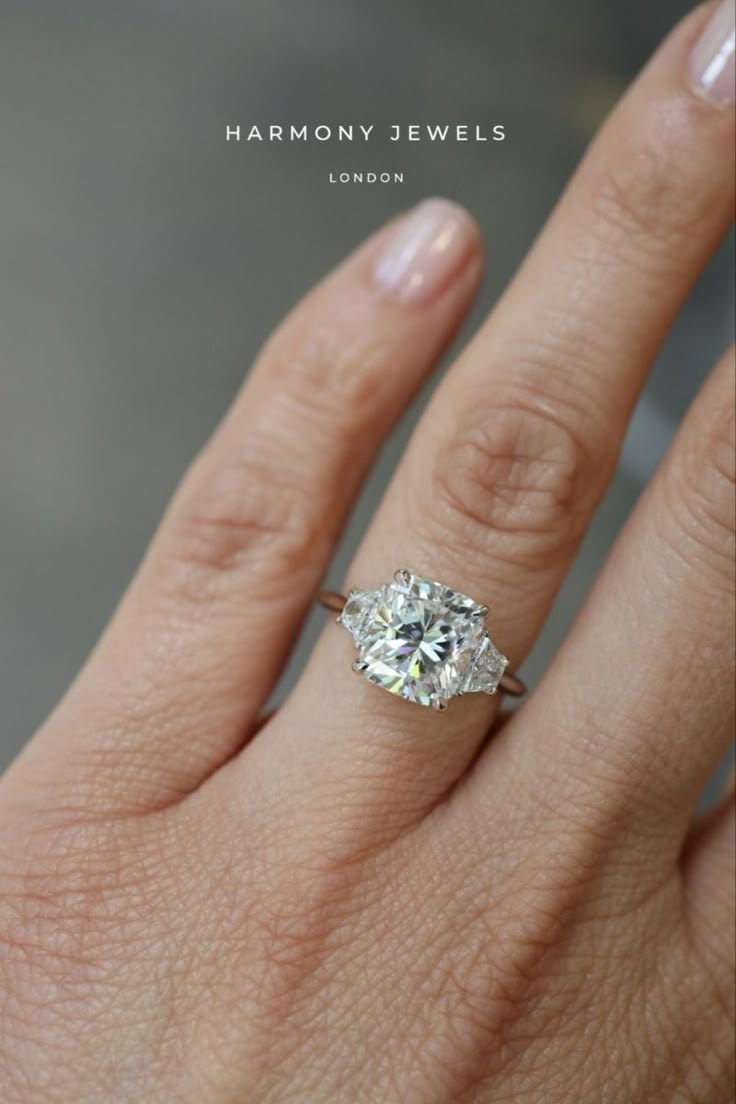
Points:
323	132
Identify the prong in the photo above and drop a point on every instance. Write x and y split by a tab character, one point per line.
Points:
483	612
359	666
402	576
440	705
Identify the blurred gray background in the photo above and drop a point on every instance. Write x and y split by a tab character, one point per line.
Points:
144	260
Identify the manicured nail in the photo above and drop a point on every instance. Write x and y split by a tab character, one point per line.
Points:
712	69
425	250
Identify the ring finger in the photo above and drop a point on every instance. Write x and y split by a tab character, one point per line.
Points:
202	635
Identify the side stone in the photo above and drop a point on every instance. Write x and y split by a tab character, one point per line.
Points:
485	674
358	610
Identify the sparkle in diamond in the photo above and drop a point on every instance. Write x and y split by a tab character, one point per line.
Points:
422	641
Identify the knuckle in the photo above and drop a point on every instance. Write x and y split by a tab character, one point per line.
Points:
259	511
646	190
700	496
330	372
246	517
512	480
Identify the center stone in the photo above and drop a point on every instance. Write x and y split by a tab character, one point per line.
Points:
416	638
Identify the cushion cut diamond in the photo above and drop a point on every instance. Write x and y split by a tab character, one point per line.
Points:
422	641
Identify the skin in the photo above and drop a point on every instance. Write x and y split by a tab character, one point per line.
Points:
365	901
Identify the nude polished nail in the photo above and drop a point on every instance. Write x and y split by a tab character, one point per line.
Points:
712	69
425	250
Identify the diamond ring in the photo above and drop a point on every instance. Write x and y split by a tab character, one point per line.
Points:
422	641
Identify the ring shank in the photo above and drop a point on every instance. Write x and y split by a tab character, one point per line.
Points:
334	601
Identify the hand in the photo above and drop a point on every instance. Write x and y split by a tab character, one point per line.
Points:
363	900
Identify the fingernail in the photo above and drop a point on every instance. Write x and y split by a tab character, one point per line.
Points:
425	250
712	69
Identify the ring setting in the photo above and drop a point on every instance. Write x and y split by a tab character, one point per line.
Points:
422	641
